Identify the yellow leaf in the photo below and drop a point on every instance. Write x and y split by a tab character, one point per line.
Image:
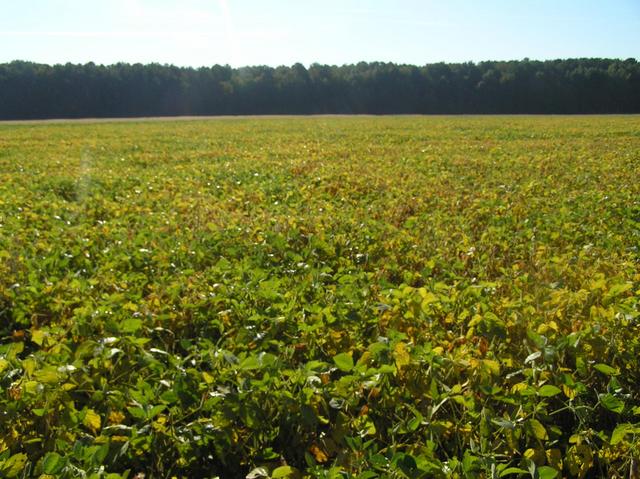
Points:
401	355
92	420
579	459
427	297
554	458
538	429
208	378
492	366
536	455
13	466
31	387
319	455
131	307
47	375
599	283
475	320
37	336
570	393
519	387
116	417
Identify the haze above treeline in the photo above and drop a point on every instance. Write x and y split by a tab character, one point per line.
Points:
574	86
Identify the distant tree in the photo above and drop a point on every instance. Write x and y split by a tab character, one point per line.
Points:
585	85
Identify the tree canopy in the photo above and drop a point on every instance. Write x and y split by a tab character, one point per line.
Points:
587	85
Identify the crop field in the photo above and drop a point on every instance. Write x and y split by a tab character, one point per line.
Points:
323	297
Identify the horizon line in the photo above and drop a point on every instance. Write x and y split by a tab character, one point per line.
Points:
315	63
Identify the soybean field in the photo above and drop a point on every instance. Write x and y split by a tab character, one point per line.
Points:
321	297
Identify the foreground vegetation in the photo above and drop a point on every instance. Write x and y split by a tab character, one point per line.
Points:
321	297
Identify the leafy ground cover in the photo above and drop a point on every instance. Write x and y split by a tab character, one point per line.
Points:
321	297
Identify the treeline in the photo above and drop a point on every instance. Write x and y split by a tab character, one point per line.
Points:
31	90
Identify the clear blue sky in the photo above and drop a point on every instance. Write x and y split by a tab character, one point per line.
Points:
282	32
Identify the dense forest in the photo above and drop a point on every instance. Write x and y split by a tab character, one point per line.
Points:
31	90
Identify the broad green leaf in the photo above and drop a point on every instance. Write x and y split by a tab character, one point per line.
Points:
155	410
137	412
47	375
287	472
546	472
130	325
620	432
606	369
53	463
344	362
13	466
250	362
512	470
504	423
549	390
37	336
492	366
618	289
538	429
612	403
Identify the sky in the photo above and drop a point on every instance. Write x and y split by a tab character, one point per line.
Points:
283	32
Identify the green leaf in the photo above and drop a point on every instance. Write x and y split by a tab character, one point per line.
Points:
538	429
617	290
14	350
546	472
606	369
513	470
137	412
13	466
155	410
612	403
53	463
47	375
414	423
620	432
471	464
548	390
344	362
130	325
169	396
504	423
37	336
250	363
285	472
100	453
